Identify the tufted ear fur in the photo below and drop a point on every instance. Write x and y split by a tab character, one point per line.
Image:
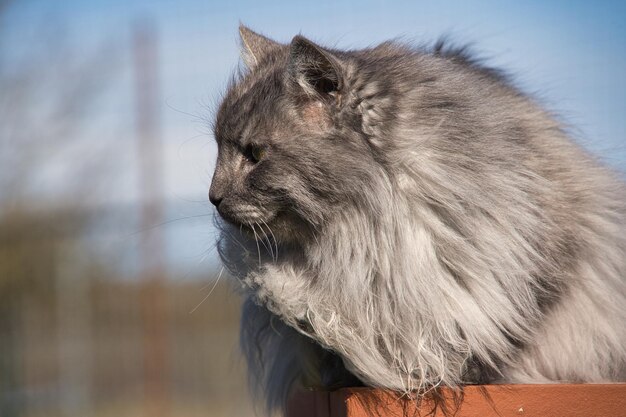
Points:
315	70
254	47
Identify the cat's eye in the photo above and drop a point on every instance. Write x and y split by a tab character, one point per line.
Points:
255	153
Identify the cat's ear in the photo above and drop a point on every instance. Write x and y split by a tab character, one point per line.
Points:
316	71
254	47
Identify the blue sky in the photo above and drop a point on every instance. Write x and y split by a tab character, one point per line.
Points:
569	54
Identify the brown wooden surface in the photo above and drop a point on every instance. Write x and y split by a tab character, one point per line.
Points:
556	400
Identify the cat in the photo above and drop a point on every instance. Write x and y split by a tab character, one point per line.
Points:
406	218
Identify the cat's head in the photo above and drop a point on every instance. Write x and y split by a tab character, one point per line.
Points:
293	139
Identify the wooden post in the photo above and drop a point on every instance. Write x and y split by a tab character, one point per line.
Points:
74	332
150	164
571	400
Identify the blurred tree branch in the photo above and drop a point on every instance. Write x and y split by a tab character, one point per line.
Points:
49	98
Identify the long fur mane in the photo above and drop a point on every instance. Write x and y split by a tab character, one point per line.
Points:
461	263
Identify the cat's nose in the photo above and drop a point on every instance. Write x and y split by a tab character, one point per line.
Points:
219	186
215	199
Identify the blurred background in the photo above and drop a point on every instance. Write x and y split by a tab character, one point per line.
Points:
112	298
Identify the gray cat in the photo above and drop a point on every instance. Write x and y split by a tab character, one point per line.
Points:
406	218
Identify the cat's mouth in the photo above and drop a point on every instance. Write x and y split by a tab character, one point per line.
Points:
245	215
277	227
254	222
270	224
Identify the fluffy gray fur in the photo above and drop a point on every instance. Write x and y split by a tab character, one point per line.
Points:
406	218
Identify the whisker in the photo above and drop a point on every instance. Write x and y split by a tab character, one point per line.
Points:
205	255
273	238
167	222
273	252
241	245
217	280
269	248
256	240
